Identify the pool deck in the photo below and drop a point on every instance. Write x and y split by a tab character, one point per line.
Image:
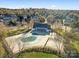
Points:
17	45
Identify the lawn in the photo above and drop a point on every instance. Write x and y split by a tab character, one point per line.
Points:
36	55
17	31
76	47
59	31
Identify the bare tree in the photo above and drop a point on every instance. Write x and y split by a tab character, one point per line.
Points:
50	19
21	46
59	43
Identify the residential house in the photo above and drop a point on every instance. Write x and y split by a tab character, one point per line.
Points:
41	29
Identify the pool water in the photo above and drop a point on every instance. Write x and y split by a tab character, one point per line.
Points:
29	39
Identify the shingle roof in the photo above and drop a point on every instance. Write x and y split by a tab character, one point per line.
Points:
45	25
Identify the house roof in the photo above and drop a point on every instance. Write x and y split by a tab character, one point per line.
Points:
41	25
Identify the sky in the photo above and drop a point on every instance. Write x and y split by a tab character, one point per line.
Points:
48	4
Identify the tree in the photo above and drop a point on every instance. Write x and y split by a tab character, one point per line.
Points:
76	25
3	31
70	39
20	46
42	19
50	19
20	18
31	24
12	22
28	19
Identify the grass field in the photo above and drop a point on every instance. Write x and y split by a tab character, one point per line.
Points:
36	55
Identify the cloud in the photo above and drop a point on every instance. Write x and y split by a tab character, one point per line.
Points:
55	7
52	7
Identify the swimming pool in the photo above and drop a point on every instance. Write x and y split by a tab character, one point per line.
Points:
29	39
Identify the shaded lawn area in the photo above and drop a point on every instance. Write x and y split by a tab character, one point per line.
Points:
36	55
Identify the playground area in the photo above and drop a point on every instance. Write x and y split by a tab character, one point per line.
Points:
25	41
